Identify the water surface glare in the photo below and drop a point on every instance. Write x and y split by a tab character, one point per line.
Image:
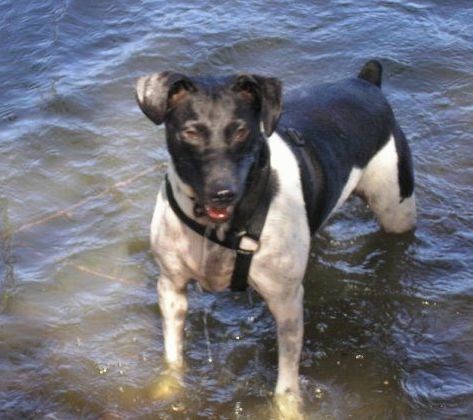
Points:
388	319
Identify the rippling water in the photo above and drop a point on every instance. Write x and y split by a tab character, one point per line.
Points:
388	320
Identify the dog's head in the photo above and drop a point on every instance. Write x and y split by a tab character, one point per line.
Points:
213	130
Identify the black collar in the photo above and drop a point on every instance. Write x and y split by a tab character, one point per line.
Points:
247	221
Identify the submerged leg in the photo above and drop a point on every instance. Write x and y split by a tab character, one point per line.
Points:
173	305
288	313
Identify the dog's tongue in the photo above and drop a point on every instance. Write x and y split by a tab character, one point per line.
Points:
218	215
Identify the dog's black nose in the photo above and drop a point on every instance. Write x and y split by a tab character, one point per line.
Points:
223	196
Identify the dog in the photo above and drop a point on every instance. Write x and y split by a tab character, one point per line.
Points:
248	186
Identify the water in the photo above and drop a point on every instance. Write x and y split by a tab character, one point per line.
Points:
388	320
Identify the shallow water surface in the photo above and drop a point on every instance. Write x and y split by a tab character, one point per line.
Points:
388	319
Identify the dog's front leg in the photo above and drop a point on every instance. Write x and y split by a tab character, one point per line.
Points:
288	313
173	305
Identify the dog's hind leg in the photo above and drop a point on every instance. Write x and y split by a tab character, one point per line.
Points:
387	184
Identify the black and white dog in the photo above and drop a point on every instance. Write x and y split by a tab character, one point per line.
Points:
241	200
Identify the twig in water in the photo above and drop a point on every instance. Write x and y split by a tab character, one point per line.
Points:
6	256
106	276
67	212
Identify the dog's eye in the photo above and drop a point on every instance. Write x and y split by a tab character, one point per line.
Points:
191	135
241	134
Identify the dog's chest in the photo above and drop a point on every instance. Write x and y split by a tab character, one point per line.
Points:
214	269
181	253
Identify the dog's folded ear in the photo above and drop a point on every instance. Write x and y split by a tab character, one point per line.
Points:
157	93
268	91
271	105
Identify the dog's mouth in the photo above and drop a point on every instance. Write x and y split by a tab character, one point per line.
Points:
218	214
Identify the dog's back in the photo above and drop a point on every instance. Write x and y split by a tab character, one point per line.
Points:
346	125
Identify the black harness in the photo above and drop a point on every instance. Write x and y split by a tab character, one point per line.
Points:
312	177
250	214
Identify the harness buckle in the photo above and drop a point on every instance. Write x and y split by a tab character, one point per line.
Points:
295	136
248	244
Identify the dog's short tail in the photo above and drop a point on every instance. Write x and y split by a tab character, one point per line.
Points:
372	72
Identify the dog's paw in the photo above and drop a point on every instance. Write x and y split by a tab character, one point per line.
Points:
288	407
167	386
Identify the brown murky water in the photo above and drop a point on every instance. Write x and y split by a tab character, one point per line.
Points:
388	320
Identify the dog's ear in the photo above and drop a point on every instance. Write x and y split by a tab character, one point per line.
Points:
268	90
271	106
157	93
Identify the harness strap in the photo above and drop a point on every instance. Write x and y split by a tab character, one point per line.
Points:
311	175
252	213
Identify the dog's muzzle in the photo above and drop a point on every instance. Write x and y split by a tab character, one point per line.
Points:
220	208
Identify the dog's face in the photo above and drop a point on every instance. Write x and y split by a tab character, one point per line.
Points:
213	130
